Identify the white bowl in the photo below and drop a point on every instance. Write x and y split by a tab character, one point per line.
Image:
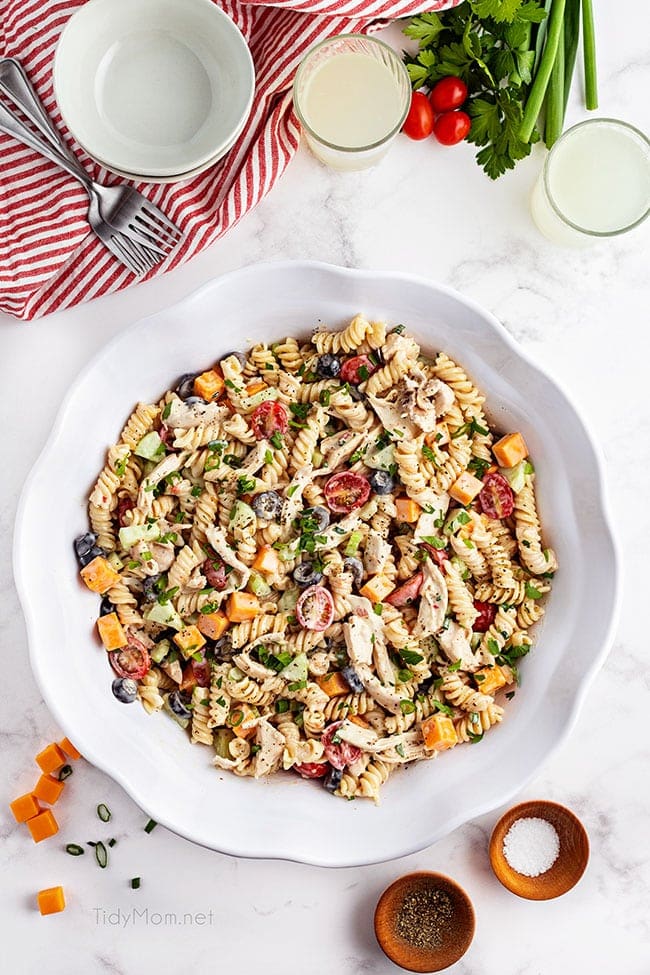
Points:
286	816
154	88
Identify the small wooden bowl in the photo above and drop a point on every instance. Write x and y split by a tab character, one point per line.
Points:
456	938
571	862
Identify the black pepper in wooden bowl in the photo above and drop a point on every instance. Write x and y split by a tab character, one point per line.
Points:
424	922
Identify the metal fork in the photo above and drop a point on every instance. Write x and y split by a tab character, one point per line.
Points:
135	230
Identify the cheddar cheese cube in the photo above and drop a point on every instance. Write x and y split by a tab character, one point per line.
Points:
99	575
209	385
510	450
50	759
333	684
111	632
43	826
439	733
51	900
48	789
25	807
408	511
66	746
189	640
213	625
377	588
490	679
465	488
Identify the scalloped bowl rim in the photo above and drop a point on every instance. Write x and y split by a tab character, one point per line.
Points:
493	796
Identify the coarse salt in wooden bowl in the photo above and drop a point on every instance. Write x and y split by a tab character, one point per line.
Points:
432	908
572	858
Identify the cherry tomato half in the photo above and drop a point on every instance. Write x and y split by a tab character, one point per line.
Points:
437	555
312	770
315	608
404	595
268	418
346	491
485	618
448	94
214	571
338	753
132	661
497	499
452	127
419	121
357	369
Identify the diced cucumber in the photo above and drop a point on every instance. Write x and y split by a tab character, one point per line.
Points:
221	740
258	585
456	519
115	561
183	722
515	476
250	402
130	535
160	651
286	552
165	614
316	458
150	447
288	599
353	544
380	459
235	674
241	515
296	670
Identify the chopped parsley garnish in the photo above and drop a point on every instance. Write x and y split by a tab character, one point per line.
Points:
429	454
532	591
410	657
324	397
166	411
277	440
299	410
455	666
297	685
434	541
245	485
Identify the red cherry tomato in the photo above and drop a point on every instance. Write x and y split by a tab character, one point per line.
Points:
404	595
448	94
485	618
315	608
338	753
357	369
497	499
124	505
452	127
132	661
438	555
346	491
419	121
214	571
269	418
312	770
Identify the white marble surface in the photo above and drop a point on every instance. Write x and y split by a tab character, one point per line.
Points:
584	315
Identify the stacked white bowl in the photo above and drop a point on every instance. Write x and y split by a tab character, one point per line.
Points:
155	90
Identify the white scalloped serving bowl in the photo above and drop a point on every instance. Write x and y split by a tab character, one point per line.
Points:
286	816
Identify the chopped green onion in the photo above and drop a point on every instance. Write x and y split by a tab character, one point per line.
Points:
103	812
74	850
65	773
135	883
151	825
101	855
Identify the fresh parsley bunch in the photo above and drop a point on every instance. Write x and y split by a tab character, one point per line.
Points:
490	44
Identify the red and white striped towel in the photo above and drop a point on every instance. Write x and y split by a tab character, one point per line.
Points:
48	258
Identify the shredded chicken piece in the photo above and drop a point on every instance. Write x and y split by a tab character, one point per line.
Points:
433	601
271	743
167	466
394	417
252	667
455	644
183	417
376	553
337	448
217	540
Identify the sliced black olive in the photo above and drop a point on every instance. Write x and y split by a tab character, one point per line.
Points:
84	543
305	575
125	689
333	779
192	400
382	482
328	366
353	680
177	705
106	607
90	555
355	566
223	649
185	385
267	505
320	515
149	588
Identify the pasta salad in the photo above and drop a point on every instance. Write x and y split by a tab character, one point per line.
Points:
316	558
